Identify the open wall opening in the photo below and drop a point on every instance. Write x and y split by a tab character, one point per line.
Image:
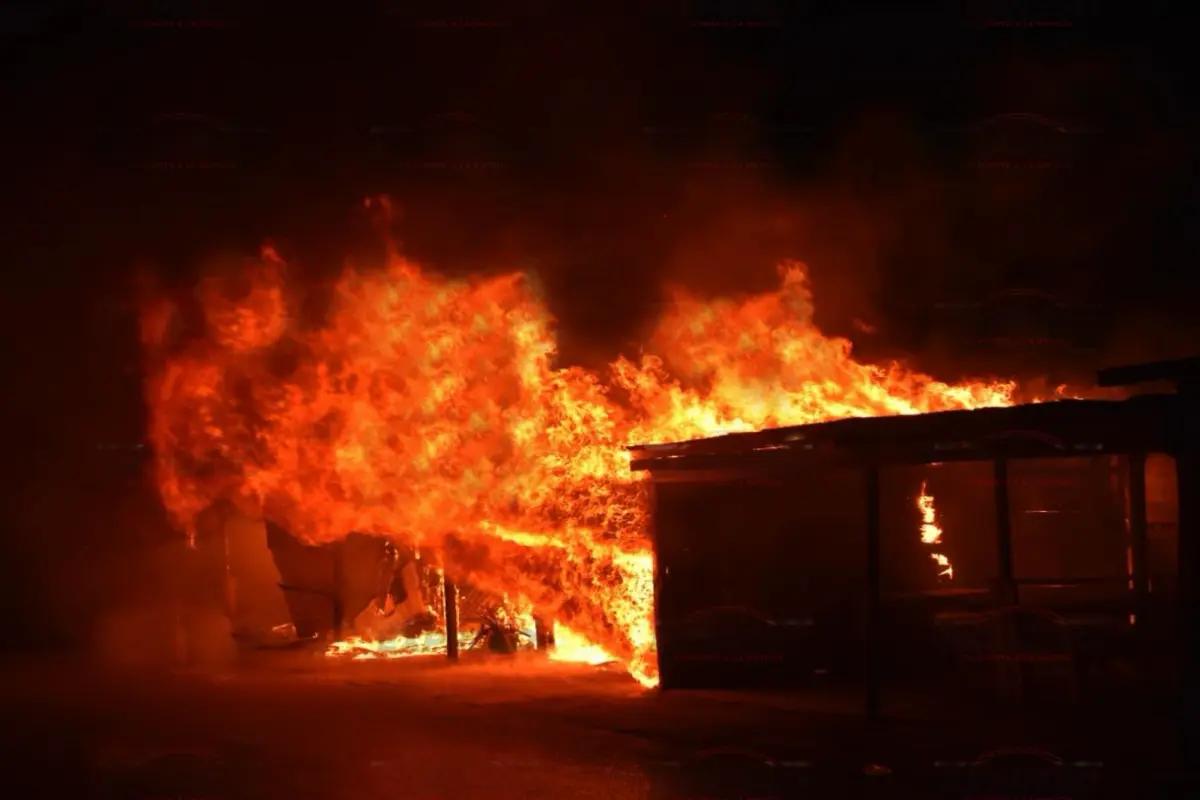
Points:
759	581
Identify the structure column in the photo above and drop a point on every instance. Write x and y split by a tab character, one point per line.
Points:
231	595
1006	583
339	581
1138	547
1189	597
544	633
450	597
873	633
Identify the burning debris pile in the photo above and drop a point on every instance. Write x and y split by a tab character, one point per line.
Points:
432	412
408	616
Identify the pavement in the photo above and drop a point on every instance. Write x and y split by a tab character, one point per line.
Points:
302	726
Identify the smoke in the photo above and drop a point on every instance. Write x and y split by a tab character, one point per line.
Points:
683	164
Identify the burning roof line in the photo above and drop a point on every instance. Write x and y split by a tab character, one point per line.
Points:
1062	428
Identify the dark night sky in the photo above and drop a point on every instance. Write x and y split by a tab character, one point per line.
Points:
918	160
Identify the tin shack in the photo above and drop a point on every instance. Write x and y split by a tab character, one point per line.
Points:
802	551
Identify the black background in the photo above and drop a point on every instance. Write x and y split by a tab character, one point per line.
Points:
988	186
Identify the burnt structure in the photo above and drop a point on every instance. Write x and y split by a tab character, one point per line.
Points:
1182	426
370	587
773	539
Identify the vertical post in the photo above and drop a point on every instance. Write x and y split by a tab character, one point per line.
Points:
1188	479
1006	584
1138	547
231	600
544	633
450	596
874	576
181	637
662	542
339	581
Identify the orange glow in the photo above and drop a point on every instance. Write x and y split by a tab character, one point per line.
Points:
361	648
432	411
931	532
571	647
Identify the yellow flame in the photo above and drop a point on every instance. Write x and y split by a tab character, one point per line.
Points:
931	532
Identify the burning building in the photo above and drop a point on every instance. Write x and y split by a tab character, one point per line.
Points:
430	416
1061	511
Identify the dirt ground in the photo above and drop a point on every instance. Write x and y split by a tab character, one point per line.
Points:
298	726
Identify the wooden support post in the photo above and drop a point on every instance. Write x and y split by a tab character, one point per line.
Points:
339	581
181	636
231	598
1006	584
450	596
873	633
544	634
1138	546
1188	477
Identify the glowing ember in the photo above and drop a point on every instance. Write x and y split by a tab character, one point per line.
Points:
432	411
931	532
571	647
432	643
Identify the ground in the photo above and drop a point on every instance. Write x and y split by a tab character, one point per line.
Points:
298	726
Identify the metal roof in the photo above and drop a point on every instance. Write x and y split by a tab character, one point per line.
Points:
1178	371
1061	429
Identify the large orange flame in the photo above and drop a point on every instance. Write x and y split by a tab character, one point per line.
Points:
431	410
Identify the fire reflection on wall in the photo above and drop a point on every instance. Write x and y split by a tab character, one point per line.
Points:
1162	518
1069	521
